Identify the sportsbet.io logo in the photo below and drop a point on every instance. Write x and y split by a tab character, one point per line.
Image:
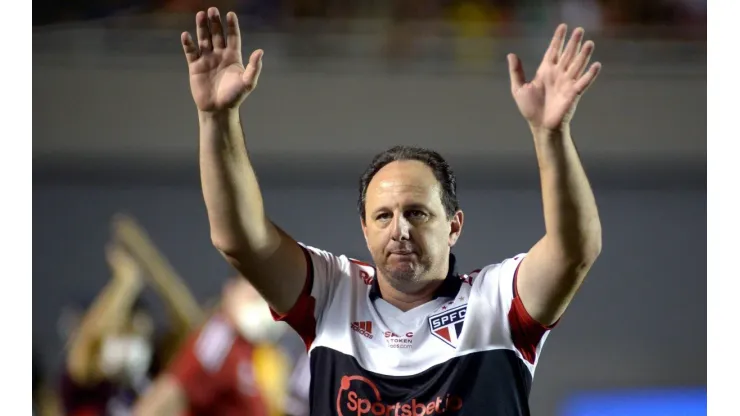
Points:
358	396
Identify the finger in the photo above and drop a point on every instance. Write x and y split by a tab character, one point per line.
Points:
587	79
574	44
191	51
121	220
217	29
233	37
516	72
581	62
254	67
203	32
556	44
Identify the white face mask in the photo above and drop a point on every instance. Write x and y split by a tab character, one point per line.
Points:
254	322
126	357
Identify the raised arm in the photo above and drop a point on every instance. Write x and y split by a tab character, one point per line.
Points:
106	315
240	228
555	267
181	305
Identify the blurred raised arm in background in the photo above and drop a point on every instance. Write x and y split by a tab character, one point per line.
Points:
183	310
110	352
109	317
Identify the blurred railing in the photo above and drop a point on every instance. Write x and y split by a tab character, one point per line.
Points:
648	108
365	45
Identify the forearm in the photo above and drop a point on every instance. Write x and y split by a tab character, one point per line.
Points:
179	301
271	260
112	306
571	217
107	313
233	199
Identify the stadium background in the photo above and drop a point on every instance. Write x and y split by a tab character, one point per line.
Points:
115	130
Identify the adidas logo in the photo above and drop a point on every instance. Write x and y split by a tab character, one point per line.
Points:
365	328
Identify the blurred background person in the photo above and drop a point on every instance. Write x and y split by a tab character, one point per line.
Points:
111	353
230	366
184	314
114	349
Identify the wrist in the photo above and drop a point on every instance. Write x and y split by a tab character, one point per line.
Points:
129	279
542	133
219	117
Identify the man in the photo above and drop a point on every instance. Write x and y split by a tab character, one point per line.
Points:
228	367
409	336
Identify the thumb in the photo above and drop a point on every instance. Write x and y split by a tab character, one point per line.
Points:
516	72
252	71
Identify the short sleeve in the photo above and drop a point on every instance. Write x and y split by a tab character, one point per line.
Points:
497	285
323	272
199	366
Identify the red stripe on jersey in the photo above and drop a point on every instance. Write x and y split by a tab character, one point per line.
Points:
360	263
301	317
526	332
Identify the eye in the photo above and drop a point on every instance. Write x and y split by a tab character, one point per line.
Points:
383	216
416	214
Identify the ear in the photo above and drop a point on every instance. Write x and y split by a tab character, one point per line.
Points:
456	225
364	229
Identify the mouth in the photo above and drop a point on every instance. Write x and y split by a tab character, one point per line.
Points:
402	253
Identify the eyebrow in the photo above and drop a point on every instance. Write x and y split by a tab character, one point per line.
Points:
414	206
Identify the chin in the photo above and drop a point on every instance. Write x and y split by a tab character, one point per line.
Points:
404	273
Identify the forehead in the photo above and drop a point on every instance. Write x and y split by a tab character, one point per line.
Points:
403	182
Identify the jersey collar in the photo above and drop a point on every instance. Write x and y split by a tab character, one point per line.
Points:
447	289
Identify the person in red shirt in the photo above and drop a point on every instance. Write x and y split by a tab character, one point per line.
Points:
214	373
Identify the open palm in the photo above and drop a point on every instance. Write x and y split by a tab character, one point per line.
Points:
218	79
549	100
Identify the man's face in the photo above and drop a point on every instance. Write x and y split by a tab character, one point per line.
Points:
406	228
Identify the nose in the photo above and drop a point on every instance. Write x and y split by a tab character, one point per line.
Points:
401	226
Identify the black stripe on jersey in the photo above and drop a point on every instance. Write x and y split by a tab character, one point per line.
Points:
490	383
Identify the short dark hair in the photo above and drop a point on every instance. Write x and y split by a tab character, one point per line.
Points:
439	166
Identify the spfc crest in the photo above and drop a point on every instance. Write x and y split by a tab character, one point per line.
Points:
448	325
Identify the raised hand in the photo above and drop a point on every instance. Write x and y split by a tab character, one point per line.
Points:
549	100
124	266
218	79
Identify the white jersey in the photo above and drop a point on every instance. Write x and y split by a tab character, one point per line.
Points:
472	350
